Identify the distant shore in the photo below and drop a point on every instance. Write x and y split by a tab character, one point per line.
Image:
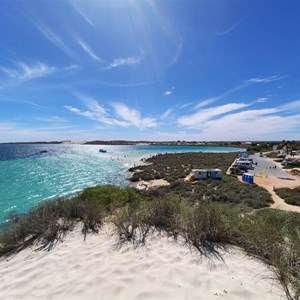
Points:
234	144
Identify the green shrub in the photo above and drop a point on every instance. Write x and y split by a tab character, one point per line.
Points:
47	223
205	226
108	198
290	196
273	236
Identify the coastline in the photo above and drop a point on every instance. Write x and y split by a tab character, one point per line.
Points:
189	275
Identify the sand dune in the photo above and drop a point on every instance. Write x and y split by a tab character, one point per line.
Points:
95	269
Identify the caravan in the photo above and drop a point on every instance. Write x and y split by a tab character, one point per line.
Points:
205	173
245	163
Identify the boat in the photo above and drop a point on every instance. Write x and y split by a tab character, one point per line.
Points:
102	150
43	151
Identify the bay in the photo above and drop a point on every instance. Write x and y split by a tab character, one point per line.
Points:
33	173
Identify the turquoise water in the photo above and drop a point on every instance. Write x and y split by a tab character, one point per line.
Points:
28	177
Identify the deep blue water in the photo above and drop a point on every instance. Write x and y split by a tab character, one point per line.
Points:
29	175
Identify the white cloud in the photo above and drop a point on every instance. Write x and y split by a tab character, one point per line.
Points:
92	104
89	50
133	117
124	116
82	13
264	79
71	67
177	54
53	119
206	102
169	92
55	39
24	72
229	29
261	100
88	114
12	132
291	106
6	126
251	124
263	124
198	119
167	113
123	61
244	84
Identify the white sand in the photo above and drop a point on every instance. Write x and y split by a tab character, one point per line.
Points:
94	269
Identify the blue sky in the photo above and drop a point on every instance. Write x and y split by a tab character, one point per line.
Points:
149	70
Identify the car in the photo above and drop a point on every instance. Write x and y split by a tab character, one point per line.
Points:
286	162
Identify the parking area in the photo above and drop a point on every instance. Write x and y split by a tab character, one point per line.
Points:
262	166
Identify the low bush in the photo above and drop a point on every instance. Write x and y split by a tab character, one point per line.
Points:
205	227
229	190
290	196
109	198
272	155
173	166
273	236
47	223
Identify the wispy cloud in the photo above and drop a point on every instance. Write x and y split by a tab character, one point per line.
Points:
123	115
82	13
92	104
89	50
87	113
243	85
123	61
198	119
291	106
168	93
12	132
266	124
230	28
24	72
133	117
177	53
167	113
55	39
95	111
206	102
261	100
71	67
264	79
53	119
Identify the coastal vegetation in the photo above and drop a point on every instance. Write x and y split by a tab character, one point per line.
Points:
290	196
174	167
204	226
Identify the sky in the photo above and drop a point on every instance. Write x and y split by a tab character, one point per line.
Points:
149	70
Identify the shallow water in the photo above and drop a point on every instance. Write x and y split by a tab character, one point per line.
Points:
28	177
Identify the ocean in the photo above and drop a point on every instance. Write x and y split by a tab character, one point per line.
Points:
30	174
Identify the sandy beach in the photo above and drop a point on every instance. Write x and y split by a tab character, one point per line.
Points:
97	269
